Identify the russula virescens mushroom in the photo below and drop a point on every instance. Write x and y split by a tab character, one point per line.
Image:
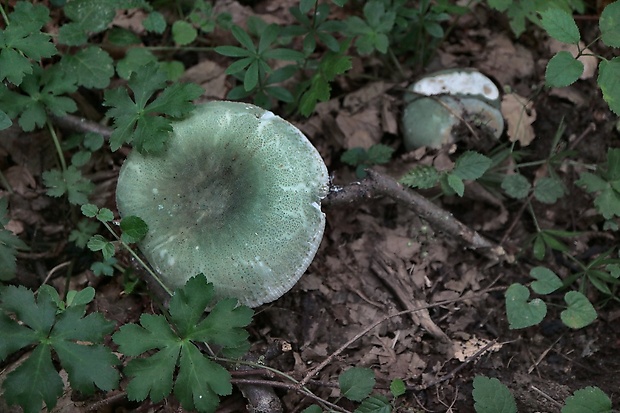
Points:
235	196
438	102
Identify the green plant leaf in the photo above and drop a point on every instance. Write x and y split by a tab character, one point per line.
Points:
456	183
155	22
471	165
198	381
92	66
609	82
563	70
560	25
75	339
379	154
22	41
374	404
134	229
520	312
70	182
588	400
312	409
580	311
183	33
547	281
356	383
609	23
135	121
397	387
516	186
492	396
421	176
99	243
548	190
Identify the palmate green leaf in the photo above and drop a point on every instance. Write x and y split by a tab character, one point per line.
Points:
580	311
609	23
609	82
560	25
379	154
99	243
356	383
492	396
70	182
36	381
22	40
136	121
92	66
196	390
456	183
199	381
563	70
588	400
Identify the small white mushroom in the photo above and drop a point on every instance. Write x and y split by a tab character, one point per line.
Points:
440	101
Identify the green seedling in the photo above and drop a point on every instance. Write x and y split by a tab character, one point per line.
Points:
362	159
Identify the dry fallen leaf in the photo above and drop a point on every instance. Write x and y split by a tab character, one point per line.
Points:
519	113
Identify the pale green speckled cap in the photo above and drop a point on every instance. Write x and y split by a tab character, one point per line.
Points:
235	196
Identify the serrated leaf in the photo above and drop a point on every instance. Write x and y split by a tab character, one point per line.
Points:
34	382
580	311
563	70
546	280
560	25
155	22
519	311
422	176
356	383
609	23
134	229
492	396
588	400
199	381
591	182
456	183
136	121
99	243
70	182
471	165
14	336
92	66
609	82
516	186
379	154
374	404
548	190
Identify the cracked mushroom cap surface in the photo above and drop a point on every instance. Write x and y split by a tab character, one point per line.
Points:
235	196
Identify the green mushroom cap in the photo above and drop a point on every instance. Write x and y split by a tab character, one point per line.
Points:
235	196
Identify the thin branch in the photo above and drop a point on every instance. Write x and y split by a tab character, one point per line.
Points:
377	185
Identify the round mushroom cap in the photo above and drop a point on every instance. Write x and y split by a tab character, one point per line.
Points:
428	121
235	196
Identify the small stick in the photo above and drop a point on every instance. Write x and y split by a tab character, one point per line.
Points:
377	184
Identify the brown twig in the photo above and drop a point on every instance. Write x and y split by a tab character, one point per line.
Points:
376	185
79	124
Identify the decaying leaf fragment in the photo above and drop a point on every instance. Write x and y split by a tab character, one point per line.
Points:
519	113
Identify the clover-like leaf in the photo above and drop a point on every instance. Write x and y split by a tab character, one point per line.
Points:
547	281
580	311
522	313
